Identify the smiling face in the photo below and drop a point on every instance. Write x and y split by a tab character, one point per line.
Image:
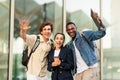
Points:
71	30
46	29
59	40
46	32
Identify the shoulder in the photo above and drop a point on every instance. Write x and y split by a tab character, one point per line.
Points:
68	44
31	36
30	39
66	49
41	38
87	31
52	50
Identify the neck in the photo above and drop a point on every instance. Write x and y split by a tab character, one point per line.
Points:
45	39
57	48
73	38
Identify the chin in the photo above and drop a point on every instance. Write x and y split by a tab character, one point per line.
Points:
47	37
72	36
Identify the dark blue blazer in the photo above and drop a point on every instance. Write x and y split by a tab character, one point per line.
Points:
63	71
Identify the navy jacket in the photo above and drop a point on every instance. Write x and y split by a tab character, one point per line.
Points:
63	71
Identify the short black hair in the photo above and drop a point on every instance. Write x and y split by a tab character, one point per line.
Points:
70	23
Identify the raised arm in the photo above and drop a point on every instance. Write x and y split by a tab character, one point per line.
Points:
24	26
97	19
101	32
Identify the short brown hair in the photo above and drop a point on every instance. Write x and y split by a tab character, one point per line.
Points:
45	24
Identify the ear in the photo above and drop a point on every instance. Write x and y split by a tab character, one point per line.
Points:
41	33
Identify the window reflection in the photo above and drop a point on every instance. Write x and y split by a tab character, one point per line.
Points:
80	15
36	11
111	52
4	32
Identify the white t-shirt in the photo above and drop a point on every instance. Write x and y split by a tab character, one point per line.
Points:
56	53
81	65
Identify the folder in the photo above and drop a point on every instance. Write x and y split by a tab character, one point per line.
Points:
96	21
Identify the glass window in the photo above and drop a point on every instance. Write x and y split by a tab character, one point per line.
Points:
4	38
36	11
111	63
78	11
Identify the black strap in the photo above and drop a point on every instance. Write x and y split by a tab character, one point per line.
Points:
52	44
37	42
87	40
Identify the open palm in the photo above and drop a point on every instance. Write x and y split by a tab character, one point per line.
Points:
24	25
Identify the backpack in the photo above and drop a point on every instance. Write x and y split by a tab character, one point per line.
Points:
25	57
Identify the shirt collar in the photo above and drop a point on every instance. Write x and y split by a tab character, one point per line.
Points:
42	40
77	35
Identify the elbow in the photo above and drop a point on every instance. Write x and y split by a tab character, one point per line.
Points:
72	67
104	33
48	68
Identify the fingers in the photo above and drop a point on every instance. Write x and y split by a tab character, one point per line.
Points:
24	21
53	64
95	15
24	24
56	62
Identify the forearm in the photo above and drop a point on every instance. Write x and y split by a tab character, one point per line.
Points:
66	66
23	34
24	26
50	68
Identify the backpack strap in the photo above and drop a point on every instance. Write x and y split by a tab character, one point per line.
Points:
52	44
83	35
37	42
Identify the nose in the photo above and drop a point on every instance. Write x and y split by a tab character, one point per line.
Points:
70	30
